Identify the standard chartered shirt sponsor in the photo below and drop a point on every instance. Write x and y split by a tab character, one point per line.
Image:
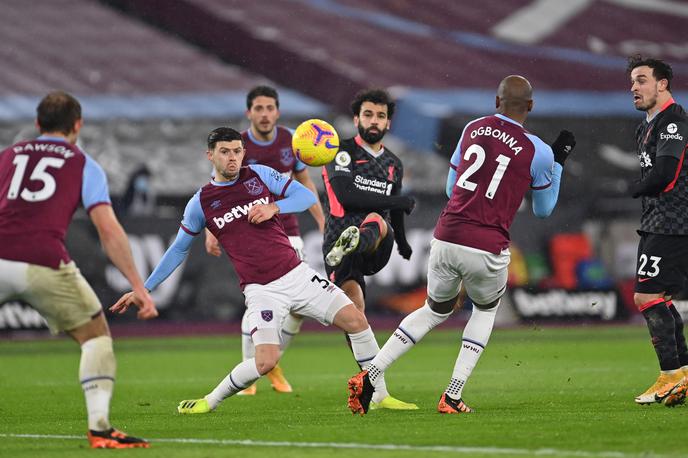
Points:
371	184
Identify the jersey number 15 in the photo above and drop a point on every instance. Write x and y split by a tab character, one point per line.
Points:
39	173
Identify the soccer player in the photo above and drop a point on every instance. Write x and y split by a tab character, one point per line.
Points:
495	162
239	208
365	209
268	144
42	182
662	139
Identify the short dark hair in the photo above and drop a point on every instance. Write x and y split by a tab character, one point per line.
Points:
57	112
265	91
376	96
660	69
223	134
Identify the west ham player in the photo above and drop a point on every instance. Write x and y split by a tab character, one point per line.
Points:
266	143
42	182
495	162
240	210
365	209
662	139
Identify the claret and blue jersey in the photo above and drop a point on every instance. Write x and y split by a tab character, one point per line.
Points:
261	252
42	183
495	163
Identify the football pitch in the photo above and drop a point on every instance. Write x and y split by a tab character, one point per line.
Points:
537	391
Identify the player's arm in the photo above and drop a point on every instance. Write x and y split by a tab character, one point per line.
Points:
546	170
316	210
671	145
212	246
452	176
295	197
340	180
192	225
397	220
96	199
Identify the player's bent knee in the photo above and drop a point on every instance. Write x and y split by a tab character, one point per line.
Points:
350	319
267	357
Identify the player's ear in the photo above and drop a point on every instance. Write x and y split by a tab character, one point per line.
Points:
530	105
497	102
78	124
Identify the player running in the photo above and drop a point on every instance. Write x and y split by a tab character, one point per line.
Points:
240	210
42	182
268	144
496	161
365	210
662	139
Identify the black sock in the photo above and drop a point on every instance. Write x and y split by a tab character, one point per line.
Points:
680	337
662	327
369	233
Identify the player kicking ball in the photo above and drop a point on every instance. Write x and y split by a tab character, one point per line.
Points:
239	209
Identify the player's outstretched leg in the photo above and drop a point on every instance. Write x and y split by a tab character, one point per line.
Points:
113	438
243	375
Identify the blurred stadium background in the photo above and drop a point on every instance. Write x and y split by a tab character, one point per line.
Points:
155	76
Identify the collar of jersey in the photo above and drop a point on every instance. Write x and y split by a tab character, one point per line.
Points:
507	119
260	142
223	183
359	141
670	102
52	139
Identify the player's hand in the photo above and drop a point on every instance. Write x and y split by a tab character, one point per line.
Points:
563	146
141	299
409	205
212	246
262	212
404	250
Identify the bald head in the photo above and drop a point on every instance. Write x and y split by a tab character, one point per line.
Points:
514	95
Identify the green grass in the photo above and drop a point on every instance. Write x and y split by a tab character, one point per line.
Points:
570	390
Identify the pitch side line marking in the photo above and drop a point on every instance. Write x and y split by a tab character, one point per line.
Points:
344	445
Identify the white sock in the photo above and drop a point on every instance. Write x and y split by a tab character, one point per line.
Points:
248	350
97	376
475	338
242	376
410	331
365	347
290	327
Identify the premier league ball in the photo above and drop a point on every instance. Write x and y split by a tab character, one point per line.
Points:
315	142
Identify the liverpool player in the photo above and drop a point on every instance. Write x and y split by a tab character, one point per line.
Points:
662	139
365	209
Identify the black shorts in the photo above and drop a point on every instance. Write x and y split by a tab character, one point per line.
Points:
662	263
355	266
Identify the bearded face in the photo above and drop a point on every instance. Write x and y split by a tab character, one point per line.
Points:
371	134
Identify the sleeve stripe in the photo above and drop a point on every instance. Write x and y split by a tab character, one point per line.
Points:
97	204
284	190
537	188
189	231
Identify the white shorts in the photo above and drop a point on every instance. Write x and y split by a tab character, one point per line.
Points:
483	274
297	243
62	296
302	291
